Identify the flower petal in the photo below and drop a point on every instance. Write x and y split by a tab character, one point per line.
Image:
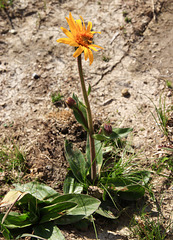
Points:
93	32
91	58
86	55
79	25
83	23
72	24
89	26
93	48
78	51
94	45
74	44
67	33
65	40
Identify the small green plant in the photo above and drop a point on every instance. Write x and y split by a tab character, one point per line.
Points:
56	97
162	163
5	3
106	59
144	227
162	115
12	163
127	20
169	84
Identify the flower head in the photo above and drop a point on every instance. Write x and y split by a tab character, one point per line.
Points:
70	102
80	36
107	129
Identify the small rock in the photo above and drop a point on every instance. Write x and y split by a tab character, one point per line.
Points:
169	94
13	31
35	76
108	102
125	92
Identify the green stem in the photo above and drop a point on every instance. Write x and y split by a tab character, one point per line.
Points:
90	123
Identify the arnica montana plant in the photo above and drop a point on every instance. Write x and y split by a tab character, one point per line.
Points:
41	208
81	37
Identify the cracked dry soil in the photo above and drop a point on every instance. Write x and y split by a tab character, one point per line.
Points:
137	57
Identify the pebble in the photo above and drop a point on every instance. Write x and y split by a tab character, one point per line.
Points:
125	92
169	94
107	102
13	31
35	76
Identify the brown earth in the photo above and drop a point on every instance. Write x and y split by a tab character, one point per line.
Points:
137	56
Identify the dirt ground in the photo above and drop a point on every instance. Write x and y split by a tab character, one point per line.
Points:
137	37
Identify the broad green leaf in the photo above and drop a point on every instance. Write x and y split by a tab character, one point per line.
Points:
48	231
49	199
6	233
99	155
36	189
116	133
128	187
81	106
81	119
133	193
16	220
100	137
82	225
76	161
86	205
30	235
30	203
122	132
55	211
71	185
106	213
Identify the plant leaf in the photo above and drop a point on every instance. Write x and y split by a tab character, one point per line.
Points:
128	187
36	189
71	185
99	155
122	132
30	235
6	233
48	231
77	115
116	133
11	197
106	213
86	205
76	161
55	211
89	89
16	220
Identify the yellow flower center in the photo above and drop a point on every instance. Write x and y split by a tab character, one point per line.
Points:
84	38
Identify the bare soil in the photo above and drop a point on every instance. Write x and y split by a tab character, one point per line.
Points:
137	37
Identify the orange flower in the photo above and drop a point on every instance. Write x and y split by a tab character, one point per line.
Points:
80	36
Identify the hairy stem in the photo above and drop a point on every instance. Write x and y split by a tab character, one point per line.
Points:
90	123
